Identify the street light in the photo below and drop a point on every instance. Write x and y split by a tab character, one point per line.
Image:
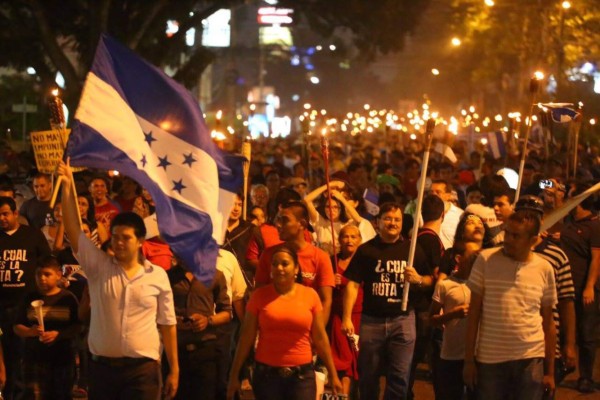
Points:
435	71
566	5
456	42
489	3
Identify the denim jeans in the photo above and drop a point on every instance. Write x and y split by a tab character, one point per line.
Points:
586	317
271	386
386	348
518	380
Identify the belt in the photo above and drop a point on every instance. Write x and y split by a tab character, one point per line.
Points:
284	372
120	361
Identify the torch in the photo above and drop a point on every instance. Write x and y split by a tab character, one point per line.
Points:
415	231
534	85
58	124
247	153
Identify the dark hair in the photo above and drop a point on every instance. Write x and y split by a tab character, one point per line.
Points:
106	246
324	206
530	218
299	209
285	196
9	201
442	182
131	220
492	186
510	193
460	229
91	214
284	248
473	188
42	175
103	178
7	187
387	207
588	203
432	208
49	262
90	223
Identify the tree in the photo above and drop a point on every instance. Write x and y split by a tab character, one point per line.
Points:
512	39
60	36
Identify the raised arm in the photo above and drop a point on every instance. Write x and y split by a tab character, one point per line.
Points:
70	209
312	196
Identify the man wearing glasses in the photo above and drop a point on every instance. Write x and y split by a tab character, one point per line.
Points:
387	334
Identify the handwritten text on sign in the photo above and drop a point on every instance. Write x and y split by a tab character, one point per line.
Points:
48	149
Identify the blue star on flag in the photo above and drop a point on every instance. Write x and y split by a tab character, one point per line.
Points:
189	159
148	138
163	162
178	186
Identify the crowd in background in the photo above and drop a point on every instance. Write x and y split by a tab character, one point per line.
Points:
312	280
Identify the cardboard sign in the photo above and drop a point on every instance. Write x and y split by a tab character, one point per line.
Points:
48	148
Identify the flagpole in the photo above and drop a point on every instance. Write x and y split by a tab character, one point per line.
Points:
577	127
325	152
533	90
246	152
415	231
59	124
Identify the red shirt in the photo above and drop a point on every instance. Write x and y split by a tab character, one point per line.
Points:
315	267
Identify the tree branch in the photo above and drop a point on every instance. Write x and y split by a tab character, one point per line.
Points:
56	54
135	40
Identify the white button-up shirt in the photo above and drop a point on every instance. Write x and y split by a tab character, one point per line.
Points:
125	312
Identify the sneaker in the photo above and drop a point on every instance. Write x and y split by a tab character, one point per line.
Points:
585	385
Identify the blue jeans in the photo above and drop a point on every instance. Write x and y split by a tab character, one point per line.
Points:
386	348
518	380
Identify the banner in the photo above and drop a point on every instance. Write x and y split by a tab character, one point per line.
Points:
48	148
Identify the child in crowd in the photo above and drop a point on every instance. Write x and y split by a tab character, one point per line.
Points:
49	356
452	296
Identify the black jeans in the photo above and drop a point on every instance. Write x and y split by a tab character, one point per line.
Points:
586	334
139	381
269	385
198	372
449	383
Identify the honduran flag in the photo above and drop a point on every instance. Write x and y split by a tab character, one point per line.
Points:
135	119
496	144
561	112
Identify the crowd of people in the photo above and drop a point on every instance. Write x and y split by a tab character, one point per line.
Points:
309	282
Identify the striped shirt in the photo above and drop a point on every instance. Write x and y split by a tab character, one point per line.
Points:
513	294
562	275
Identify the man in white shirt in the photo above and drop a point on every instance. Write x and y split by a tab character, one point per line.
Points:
511	338
132	308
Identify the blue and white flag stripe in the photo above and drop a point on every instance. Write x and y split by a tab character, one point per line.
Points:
561	112
496	144
135	119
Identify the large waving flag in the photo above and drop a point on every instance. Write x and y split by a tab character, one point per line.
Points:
561	112
134	118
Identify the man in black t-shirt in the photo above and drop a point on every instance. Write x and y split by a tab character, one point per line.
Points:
20	249
580	240
387	334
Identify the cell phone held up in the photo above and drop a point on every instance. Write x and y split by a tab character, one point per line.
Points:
546	184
